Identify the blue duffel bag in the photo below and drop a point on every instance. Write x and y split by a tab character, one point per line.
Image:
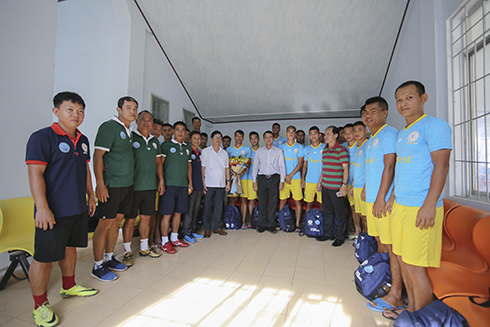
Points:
436	314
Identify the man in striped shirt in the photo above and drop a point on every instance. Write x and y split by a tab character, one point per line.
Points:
333	185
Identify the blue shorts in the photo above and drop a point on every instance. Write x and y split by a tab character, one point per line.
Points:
174	200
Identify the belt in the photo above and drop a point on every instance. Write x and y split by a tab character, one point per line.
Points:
269	176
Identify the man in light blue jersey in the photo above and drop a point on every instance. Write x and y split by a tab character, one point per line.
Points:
293	155
234	151
252	194
278	140
423	150
379	170
312	168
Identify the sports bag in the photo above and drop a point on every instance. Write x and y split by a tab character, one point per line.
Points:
232	217
435	314
373	277
314	223
365	247
286	220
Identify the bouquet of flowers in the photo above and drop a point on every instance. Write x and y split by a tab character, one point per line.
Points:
237	166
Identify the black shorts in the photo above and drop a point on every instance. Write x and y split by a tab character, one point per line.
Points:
144	202
120	201
174	200
50	244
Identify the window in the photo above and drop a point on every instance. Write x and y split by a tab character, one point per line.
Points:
187	118
470	95
159	108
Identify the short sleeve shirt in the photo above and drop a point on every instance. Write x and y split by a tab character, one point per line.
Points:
359	165
65	175
279	141
250	169
414	165
313	156
115	138
145	152
244	151
177	156
332	166
292	153
351	150
381	143
215	164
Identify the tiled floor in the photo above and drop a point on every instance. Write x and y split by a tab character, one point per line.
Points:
242	279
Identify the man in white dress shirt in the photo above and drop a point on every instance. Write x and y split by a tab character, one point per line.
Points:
216	180
268	175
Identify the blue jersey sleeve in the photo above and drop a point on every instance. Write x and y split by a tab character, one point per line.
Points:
389	141
301	152
439	135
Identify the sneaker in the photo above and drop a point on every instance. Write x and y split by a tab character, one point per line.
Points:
44	316
78	290
128	259
197	236
167	247
115	265
180	243
149	253
189	238
337	243
103	273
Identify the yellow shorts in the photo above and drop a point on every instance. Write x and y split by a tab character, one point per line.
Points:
249	185
379	226
310	191
358	203
294	188
350	198
417	247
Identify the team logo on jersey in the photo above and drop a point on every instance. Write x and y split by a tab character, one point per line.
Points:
412	137
193	156
64	147
308	153
280	142
359	153
375	142
187	151
84	148
123	135
243	152
155	146
172	150
295	150
136	145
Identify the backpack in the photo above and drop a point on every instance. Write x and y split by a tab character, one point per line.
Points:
254	220
435	314
365	247
286	220
373	277
232	218
314	223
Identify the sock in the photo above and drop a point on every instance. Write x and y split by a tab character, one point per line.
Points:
174	237
164	240
127	247
68	282
40	299
144	244
108	256
98	263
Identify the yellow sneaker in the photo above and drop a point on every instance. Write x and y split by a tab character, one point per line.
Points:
78	290
44	316
128	259
149	253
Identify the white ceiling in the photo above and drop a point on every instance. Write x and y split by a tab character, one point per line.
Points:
275	59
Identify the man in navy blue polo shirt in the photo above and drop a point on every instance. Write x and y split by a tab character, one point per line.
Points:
57	162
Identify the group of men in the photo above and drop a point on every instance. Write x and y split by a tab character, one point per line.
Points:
393	180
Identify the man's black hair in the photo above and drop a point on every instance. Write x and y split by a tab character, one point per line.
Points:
194	118
187	130
380	100
120	102
291	126
159	122
419	86
314	128
300	131
239	131
194	133
253	133
203	134
167	125
348	125
268	132
226	137
67	96
335	129
144	111
363	108
215	133
359	123
179	123
276	124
